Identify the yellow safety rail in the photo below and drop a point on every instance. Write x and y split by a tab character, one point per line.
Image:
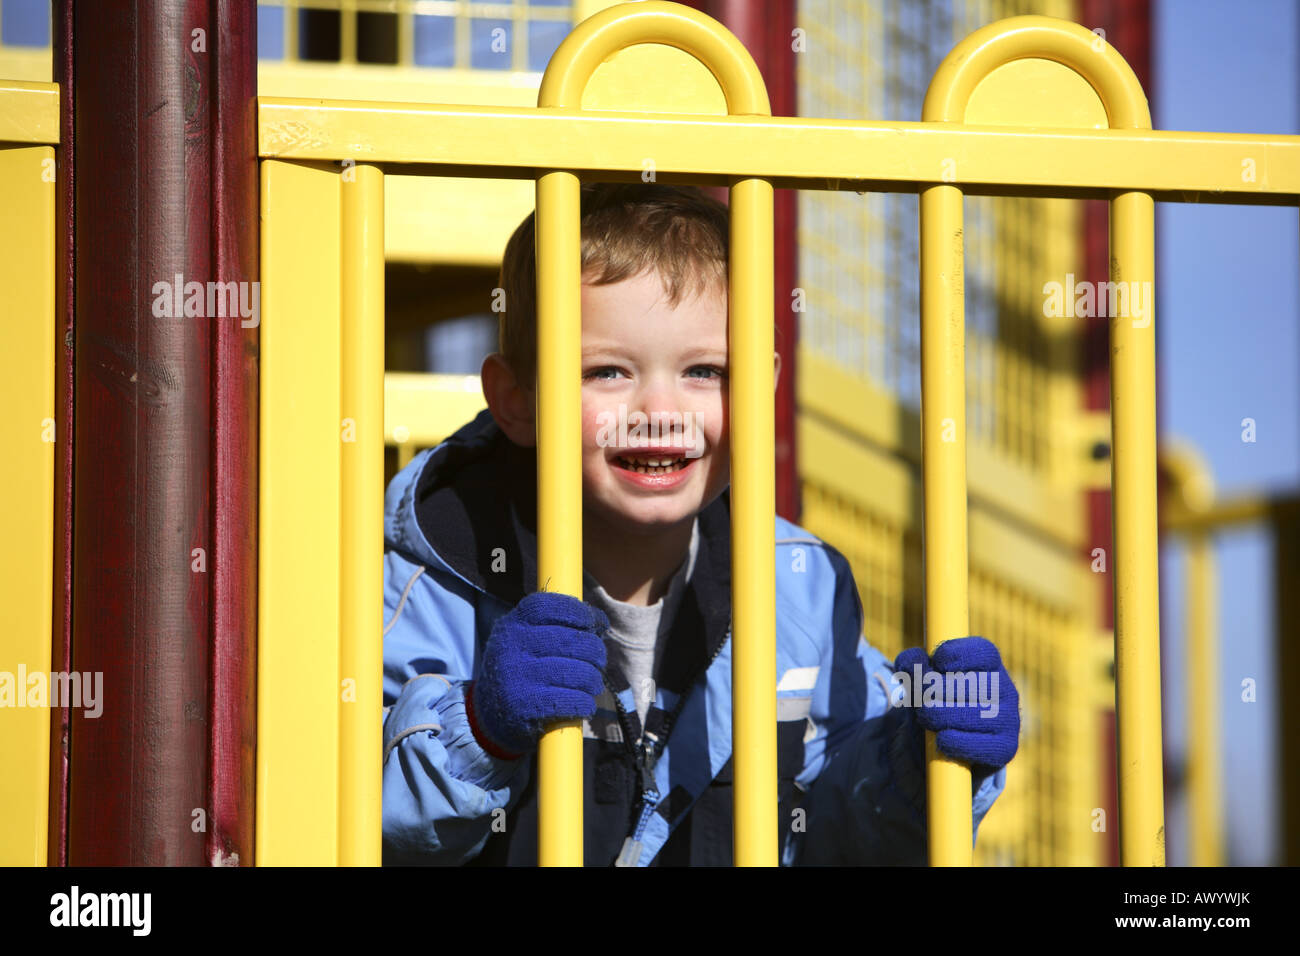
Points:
29	129
559	406
1137	625
560	144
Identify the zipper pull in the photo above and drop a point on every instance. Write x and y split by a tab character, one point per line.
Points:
646	760
630	853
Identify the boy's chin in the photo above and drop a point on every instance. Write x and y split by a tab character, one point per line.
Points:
661	522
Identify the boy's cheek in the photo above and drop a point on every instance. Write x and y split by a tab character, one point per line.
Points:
596	427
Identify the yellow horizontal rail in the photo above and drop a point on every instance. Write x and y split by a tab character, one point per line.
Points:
29	112
1246	509
800	153
423	408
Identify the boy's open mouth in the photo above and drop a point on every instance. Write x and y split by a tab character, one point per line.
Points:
660	463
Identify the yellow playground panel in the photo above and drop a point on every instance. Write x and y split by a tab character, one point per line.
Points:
28	129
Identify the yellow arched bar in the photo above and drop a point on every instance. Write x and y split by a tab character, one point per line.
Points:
1132	237
559	415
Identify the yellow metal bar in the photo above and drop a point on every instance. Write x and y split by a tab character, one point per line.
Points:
27	435
291	31
406	37
753	532
1193	490
791	152
1244	509
751	372
347	32
1133	404
29	112
361	579
298	690
1204	768
943	456
559	488
1136	568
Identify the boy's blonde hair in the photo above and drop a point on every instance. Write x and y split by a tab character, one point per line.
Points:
627	228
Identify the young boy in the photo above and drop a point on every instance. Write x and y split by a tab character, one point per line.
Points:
477	662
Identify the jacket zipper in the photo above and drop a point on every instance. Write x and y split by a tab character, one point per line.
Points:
646	759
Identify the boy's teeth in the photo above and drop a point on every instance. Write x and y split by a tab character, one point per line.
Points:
652	466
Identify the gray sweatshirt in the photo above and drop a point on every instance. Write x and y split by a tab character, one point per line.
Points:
637	634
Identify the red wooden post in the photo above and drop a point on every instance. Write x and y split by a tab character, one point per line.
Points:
765	29
1128	29
61	631
164	466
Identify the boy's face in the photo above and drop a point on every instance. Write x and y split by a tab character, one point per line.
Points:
663	369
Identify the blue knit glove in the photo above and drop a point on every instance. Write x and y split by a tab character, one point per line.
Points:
543	663
984	735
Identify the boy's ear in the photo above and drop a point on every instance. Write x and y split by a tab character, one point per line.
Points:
513	407
776	373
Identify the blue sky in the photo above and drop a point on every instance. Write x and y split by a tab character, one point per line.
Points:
1228	347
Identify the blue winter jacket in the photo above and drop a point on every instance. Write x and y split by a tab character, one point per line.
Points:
460	530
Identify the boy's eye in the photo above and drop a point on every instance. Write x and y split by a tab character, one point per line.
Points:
709	371
603	373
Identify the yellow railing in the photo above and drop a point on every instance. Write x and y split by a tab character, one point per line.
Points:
750	334
943	428
1193	513
302	141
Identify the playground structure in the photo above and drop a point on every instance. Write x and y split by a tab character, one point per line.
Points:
324	168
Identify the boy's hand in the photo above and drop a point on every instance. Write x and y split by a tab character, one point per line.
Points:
982	730
542	663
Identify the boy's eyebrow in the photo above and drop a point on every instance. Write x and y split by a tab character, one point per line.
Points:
704	350
615	350
601	349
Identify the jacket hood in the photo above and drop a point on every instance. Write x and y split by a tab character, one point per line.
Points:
469	506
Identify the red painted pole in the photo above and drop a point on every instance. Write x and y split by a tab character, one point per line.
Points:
233	774
765	30
1128	29
65	312
164	468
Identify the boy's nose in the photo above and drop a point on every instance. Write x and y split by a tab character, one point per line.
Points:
659	399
